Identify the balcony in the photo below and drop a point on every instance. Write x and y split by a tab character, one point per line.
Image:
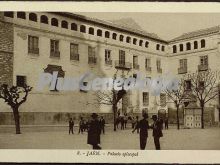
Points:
136	66
148	69
33	51
92	60
159	70
123	65
202	67
55	54
74	57
109	62
182	70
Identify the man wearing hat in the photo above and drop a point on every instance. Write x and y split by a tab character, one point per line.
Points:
157	131
94	132
143	126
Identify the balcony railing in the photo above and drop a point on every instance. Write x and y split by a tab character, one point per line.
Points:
182	70
122	65
92	60
148	68
33	51
109	62
202	67
55	54
136	66
74	57
159	70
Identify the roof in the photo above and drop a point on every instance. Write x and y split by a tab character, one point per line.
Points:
197	33
130	26
115	25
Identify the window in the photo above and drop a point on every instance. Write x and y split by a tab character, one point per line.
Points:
21	15
195	45
183	63
188	46
44	19
202	43
162	99
82	29
74	26
64	24
20	81
108	60
55	68
122	57
158	47
74	55
33	17
146	44
33	44
99	32
91	31
9	14
107	34
204	60
91	55
145	98
163	48
114	36
134	75
85	83
174	49
54	48
201	85
121	38
158	63
188	84
135	62
134	41
140	42
54	22
128	39
181	47
147	63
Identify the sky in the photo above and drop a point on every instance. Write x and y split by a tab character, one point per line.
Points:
166	25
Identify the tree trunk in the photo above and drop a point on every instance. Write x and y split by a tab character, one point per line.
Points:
177	117
17	120
114	108
202	115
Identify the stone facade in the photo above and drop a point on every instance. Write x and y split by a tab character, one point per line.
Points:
49	107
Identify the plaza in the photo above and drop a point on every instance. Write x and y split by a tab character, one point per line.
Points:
57	137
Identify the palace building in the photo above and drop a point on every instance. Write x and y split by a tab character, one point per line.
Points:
32	43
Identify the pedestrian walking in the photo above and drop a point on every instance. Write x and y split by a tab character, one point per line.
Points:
125	120
133	122
166	123
102	124
81	125
94	132
71	124
136	122
157	131
122	123
143	126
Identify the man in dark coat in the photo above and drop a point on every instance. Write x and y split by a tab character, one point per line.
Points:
143	126
102	123
71	124
157	131
94	132
166	123
81	124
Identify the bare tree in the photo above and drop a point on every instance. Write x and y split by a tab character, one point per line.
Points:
110	98
177	96
15	96
205	87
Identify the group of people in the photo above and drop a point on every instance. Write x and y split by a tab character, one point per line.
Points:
84	125
96	126
143	126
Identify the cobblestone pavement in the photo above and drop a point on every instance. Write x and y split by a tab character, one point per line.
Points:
58	138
